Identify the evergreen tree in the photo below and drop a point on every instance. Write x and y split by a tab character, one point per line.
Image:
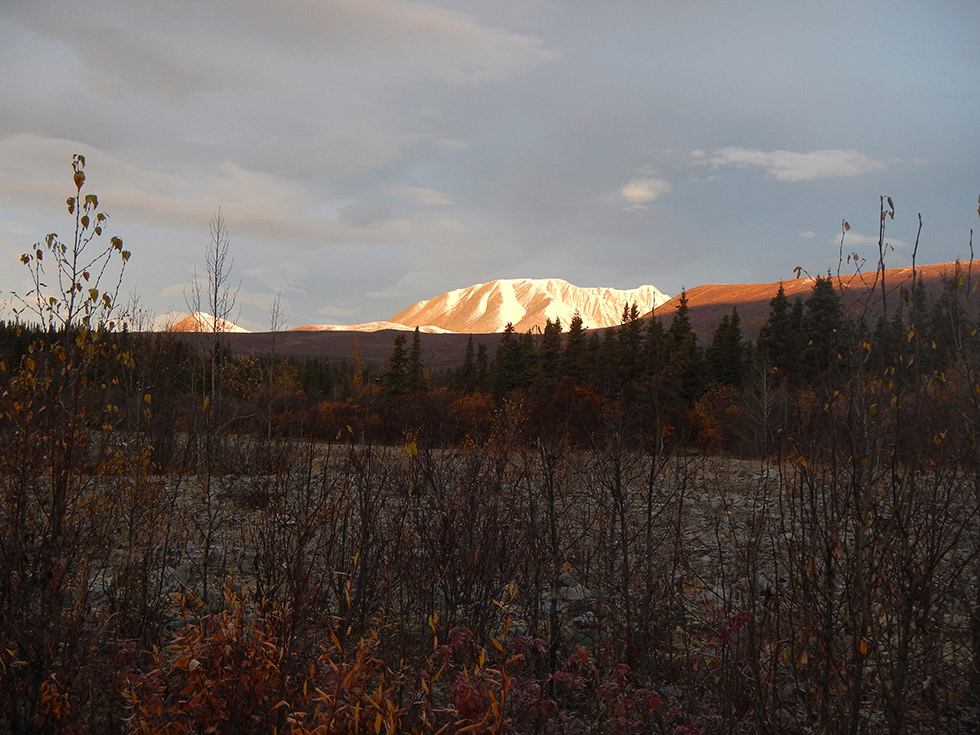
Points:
607	364
725	356
482	368
680	379
654	348
629	350
315	378
593	359
512	362
465	376
549	358
395	377
823	322
780	339
680	327
573	358
416	371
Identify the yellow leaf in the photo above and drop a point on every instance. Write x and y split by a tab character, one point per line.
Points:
863	647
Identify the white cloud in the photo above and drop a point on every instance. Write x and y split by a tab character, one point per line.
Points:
791	166
640	191
852	238
808	234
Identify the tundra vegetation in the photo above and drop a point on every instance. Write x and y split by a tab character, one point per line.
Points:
625	533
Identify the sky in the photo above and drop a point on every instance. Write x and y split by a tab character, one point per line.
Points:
368	154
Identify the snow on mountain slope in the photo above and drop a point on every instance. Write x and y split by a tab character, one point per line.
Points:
201	321
526	303
366	327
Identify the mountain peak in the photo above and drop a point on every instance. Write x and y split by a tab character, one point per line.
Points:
201	321
527	303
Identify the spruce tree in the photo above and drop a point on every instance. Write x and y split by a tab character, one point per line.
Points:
465	376
549	358
680	327
823	322
512	362
725	356
482	369
416	371
573	358
629	352
395	377
654	348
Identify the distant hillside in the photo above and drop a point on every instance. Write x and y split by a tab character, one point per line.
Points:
707	304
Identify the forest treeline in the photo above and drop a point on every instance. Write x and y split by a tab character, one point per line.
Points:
729	394
626	533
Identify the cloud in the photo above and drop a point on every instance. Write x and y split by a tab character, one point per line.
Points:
791	166
256	205
640	191
242	43
363	214
392	292
808	234
335	312
853	238
284	276
415	195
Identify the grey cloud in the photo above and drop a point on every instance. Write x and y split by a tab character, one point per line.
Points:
792	166
363	214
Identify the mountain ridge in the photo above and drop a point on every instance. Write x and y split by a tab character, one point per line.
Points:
526	303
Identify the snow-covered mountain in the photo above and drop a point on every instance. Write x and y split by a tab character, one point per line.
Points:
366	327
526	303
201	321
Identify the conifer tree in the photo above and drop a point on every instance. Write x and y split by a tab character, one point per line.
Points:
465	376
780	339
510	367
395	377
573	359
593	359
629	352
416	371
823	322
680	327
725	356
654	348
549	358
482	368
